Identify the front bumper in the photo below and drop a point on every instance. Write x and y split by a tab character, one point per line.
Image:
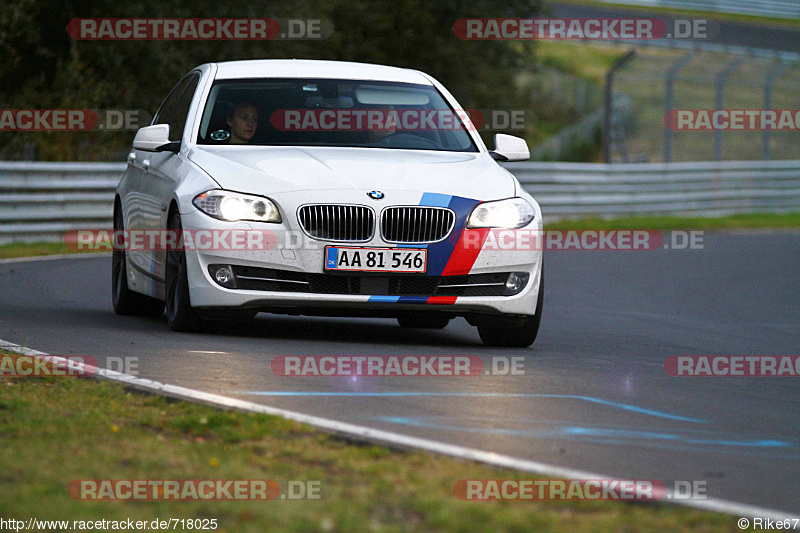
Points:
305	256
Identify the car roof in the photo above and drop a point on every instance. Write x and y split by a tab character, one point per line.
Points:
308	68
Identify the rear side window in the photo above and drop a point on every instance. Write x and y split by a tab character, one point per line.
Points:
175	108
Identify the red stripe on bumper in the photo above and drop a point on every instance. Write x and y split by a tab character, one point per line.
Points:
445	300
466	252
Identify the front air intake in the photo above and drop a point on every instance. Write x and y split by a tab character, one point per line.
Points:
341	223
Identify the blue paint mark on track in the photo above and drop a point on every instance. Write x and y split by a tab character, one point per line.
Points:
591	399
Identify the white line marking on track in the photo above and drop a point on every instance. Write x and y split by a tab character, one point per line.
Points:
388	437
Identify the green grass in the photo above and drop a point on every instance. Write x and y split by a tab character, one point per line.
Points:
579	59
26	249
731	222
55	430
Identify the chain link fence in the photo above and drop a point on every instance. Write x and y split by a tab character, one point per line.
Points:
656	80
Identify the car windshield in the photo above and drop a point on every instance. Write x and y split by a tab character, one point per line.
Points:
331	112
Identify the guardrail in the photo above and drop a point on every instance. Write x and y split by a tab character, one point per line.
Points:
573	190
42	201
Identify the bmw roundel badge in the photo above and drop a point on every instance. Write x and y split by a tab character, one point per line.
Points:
376	195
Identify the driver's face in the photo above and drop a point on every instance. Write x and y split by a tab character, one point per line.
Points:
243	124
374	134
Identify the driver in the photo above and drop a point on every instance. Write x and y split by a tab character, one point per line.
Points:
375	135
242	121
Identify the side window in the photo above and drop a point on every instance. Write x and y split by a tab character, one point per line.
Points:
178	120
176	106
163	113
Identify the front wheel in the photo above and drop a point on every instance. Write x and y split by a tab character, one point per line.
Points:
517	336
180	314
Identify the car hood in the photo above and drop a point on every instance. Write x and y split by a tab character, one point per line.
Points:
272	170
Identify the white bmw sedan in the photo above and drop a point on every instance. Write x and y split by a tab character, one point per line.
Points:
324	188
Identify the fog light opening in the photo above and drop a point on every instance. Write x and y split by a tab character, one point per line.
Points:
223	274
515	283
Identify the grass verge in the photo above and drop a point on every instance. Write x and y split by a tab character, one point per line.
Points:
730	222
55	430
586	61
30	249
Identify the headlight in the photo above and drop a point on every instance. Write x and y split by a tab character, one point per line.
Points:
233	206
512	213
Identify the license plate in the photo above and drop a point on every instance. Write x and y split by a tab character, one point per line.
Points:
376	259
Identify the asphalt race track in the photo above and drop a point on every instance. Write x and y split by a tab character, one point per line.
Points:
595	395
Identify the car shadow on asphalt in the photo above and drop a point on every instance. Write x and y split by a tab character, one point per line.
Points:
344	330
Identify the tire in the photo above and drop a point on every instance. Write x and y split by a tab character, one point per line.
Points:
423	321
180	314
518	336
127	302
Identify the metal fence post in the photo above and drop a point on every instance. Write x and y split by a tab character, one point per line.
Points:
618	64
672	73
772	75
720	84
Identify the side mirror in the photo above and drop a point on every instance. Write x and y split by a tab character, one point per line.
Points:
155	139
509	148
